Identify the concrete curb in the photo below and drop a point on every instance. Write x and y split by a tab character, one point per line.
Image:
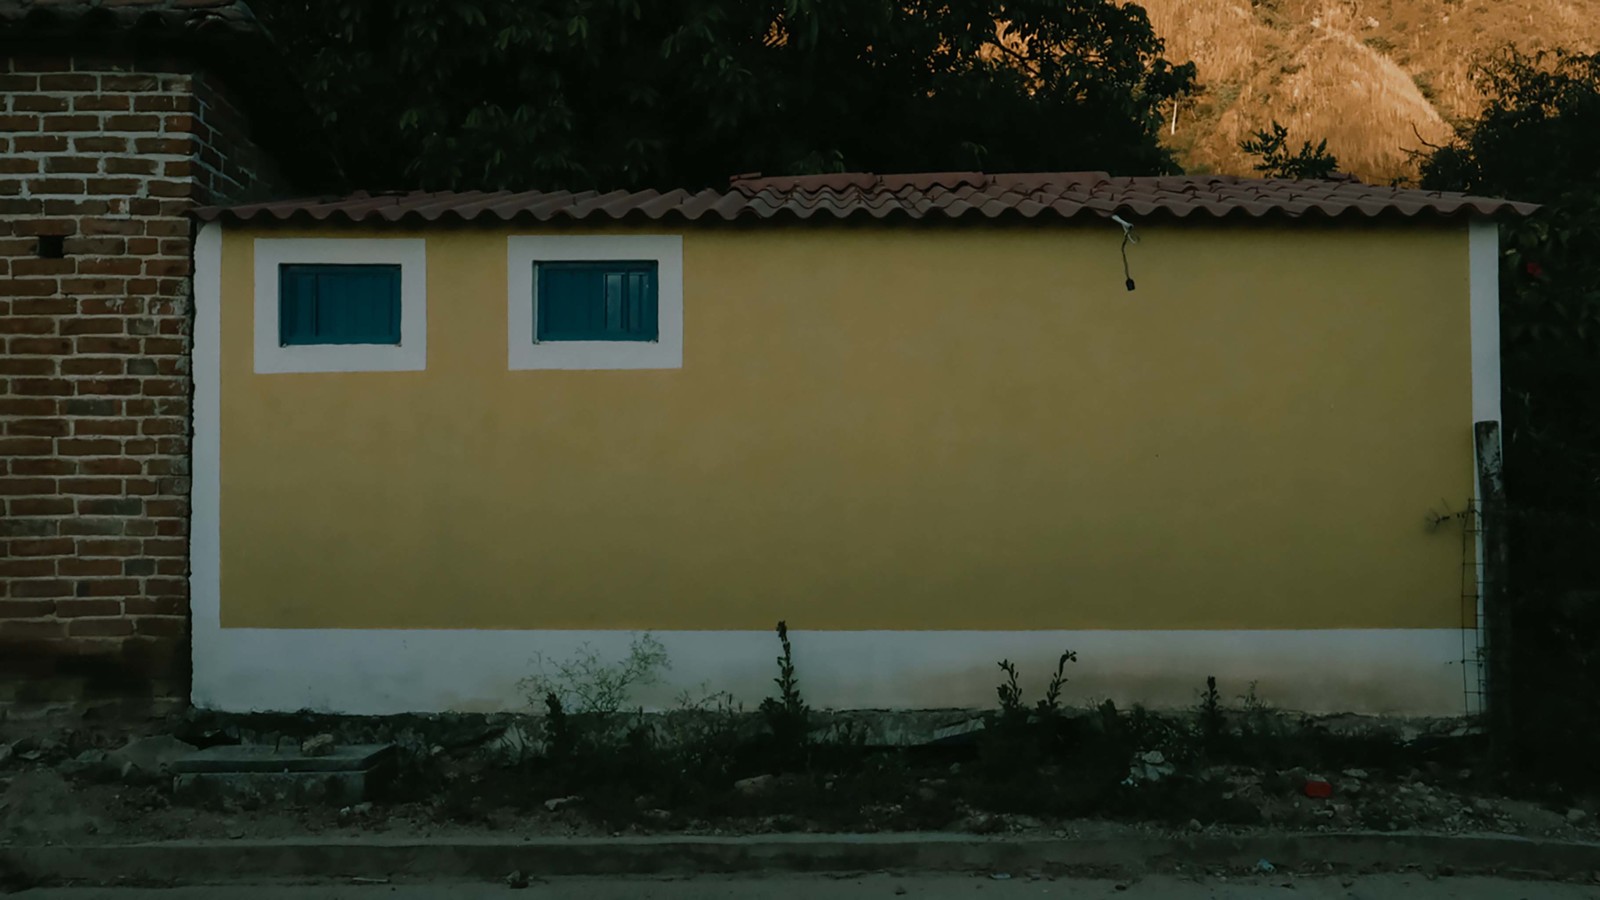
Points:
209	861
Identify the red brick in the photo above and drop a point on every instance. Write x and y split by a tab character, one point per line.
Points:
75	608
90	427
62	81
81	165
41	588
114	466
38	186
38	143
164	426
88	448
162	547
111	506
123	346
92	366
21	267
170	509
37	427
92	406
155	606
163	346
18	83
127	123
127	83
90	486
21	166
28	365
101	103
131	166
19	123
143	447
26	609
111	387
87	526
101	286
92	325
163	626
141	487
48	226
173	146
90	568
39	506
27	406
26	568
19	487
96	245
54	306
113	226
41	387
51	346
24	446
116	307
39	103
43	466
43	547
107	587
99	627
30	325
31	629
100	547
28	287
178	566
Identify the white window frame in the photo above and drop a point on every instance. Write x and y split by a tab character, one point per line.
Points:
410	355
523	352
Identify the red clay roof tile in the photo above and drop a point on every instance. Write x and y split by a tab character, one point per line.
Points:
927	196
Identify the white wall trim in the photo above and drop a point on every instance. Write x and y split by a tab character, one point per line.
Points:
410	355
1484	287
205	493
522	251
1483	266
383	671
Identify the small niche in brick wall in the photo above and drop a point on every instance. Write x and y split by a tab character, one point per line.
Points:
52	246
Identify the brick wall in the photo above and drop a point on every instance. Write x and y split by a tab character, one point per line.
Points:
99	159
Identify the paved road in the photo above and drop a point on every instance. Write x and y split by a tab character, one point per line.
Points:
879	887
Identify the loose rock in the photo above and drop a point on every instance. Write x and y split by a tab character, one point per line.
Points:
320	745
755	786
516	880
555	803
1576	816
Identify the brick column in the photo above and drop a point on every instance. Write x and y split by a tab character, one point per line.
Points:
99	160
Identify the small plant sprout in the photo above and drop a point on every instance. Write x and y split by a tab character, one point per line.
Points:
1051	704
589	684
786	715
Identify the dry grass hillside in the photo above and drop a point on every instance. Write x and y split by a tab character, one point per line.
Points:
1373	77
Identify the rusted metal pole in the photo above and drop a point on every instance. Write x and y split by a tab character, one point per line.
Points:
1495	588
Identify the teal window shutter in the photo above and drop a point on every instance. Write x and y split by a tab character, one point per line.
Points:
596	301
338	304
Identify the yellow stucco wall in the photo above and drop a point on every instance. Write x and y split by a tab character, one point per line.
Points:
885	427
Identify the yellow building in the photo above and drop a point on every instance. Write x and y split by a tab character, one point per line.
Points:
924	419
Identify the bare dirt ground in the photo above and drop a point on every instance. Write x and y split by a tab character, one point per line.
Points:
108	784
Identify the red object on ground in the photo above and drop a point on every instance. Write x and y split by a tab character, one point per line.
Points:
1318	788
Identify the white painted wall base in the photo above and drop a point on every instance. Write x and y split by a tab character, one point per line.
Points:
1411	672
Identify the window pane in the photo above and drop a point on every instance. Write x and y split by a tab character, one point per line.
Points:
595	301
338	304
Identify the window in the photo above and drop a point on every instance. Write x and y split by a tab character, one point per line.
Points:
595	302
340	305
590	301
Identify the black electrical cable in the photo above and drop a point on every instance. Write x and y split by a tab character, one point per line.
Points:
1125	235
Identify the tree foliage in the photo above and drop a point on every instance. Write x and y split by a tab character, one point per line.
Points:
620	93
1270	147
1535	141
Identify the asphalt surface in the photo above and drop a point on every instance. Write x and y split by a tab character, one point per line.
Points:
923	887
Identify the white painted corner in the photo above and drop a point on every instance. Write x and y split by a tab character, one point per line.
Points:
205	496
